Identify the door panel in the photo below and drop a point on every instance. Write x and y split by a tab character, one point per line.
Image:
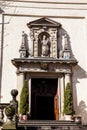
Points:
56	107
45	107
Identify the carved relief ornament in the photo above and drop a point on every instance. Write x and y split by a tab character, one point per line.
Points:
47	29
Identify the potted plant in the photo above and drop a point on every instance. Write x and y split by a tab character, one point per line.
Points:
68	103
24	100
77	119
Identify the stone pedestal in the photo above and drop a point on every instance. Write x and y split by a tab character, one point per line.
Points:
9	126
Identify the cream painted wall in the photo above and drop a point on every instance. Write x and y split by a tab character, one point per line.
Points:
0	32
73	18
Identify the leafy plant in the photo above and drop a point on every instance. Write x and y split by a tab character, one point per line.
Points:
9	110
68	103
24	99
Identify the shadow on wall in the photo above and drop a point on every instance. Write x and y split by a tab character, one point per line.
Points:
62	32
78	73
27	44
82	109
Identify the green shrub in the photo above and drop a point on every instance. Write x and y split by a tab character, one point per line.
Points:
24	99
68	101
9	110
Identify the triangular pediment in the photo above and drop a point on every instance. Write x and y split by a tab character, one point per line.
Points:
43	22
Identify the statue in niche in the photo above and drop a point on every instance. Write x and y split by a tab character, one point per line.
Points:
45	45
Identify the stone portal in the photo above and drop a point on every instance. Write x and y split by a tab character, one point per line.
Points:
42	98
48	67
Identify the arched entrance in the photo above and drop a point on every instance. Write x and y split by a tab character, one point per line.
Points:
43	94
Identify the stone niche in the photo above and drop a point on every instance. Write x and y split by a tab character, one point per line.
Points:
44	37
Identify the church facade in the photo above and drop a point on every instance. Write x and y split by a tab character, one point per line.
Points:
45	43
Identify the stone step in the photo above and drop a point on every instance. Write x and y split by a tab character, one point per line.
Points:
47	123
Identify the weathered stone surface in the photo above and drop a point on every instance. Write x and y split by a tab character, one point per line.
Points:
50	125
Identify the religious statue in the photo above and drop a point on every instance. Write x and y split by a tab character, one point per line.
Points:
45	46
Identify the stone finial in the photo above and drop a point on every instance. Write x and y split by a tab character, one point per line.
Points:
23	46
23	41
66	46
14	93
14	102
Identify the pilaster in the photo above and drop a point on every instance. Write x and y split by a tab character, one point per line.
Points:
20	80
67	78
29	84
61	87
31	41
59	98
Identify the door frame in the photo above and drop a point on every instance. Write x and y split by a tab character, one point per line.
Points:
48	95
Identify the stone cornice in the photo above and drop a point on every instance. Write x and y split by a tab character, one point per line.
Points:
17	62
52	1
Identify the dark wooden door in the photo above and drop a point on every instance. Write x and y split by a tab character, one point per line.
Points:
56	113
43	99
45	108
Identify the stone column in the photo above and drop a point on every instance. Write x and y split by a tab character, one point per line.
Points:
67	78
20	80
31	41
29	84
61	89
59	98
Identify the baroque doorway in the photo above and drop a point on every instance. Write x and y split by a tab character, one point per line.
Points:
43	95
48	58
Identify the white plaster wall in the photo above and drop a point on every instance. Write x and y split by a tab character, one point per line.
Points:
12	42
73	18
0	33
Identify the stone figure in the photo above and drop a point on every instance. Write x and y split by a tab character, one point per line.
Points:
45	46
